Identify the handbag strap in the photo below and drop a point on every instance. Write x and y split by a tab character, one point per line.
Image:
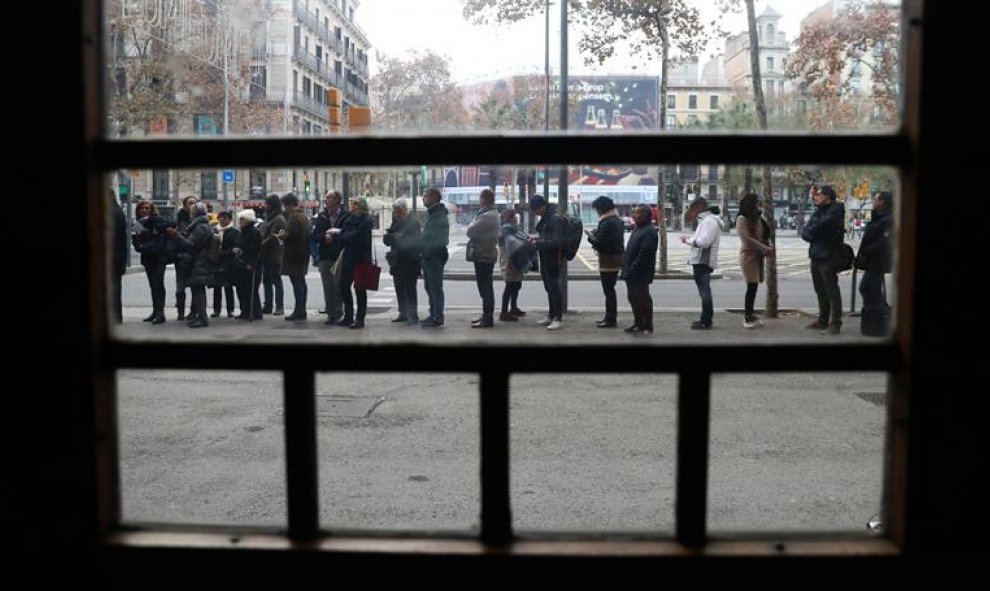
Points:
374	248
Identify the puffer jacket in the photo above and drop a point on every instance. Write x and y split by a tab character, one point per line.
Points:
825	230
403	237
355	235
876	245
436	233
607	240
195	255
640	259
483	233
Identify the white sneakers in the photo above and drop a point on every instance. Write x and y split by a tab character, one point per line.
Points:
751	324
555	325
545	321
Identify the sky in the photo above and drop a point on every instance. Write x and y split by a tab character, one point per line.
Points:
488	52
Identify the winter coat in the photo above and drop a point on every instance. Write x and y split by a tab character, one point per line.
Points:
876	245
151	241
436	233
272	248
704	242
328	252
403	238
511	240
483	235
120	245
607	241
250	245
753	248
230	238
552	232
182	220
356	238
640	260
825	230
295	255
195	252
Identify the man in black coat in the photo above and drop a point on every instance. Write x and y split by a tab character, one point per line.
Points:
120	246
876	259
825	232
550	244
638	266
333	216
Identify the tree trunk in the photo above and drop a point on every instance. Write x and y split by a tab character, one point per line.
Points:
761	112
661	181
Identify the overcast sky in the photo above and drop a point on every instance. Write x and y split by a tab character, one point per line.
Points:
486	52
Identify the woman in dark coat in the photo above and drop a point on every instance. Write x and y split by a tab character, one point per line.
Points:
356	237
195	258
223	277
148	237
271	255
246	266
295	256
403	260
182	220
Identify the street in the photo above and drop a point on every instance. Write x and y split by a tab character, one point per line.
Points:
589	452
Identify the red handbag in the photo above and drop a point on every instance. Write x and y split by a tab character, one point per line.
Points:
367	273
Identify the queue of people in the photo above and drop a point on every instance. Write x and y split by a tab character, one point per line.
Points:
238	259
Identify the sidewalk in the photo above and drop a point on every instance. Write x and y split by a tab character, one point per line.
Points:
672	327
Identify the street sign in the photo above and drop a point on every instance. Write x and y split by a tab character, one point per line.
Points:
124	190
228	176
422	177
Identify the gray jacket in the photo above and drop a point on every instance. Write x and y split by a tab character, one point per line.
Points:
483	233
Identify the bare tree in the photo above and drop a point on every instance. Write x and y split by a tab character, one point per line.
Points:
416	93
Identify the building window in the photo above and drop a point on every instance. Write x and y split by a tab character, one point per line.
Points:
693	102
296	36
307	86
671	122
780	86
671	101
713	102
770	32
259	81
713	172
160	185
208	185
712	193
770	64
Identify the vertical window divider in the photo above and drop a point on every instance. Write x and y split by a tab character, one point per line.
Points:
301	473
496	513
693	418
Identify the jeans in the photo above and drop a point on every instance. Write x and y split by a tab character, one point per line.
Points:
826	282
483	274
299	292
272	276
156	281
331	290
703	279
611	302
198	307
875	320
551	283
405	292
641	302
247	293
346	281
510	296
219	291
751	289
433	282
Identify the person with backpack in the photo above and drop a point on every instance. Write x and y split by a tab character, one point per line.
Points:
608	241
550	241
225	239
825	233
876	259
195	245
754	246
703	256
482	250
516	258
148	237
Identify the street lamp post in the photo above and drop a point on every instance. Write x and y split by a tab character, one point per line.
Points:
562	198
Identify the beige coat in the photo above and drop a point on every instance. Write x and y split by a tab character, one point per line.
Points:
752	250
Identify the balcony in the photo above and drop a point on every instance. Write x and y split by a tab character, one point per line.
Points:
310	104
322	31
309	60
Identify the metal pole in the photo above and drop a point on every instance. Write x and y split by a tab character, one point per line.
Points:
226	115
852	303
562	200
546	111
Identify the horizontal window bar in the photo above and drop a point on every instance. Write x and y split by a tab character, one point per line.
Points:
522	150
526	359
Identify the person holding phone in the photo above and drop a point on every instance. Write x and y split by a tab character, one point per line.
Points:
607	240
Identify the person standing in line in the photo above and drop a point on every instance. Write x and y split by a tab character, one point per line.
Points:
754	246
355	237
271	256
482	248
825	232
195	257
223	276
402	237
516	257
608	241
332	216
247	271
703	256
549	241
877	259
295	254
638	268
183	219
148	237
119	251
434	254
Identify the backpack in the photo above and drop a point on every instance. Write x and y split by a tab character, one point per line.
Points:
843	258
573	232
213	250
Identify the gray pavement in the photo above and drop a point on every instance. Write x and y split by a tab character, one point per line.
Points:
788	452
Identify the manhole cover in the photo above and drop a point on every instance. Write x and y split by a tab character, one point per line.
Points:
877	398
351	407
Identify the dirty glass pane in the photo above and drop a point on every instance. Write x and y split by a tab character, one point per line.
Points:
398	451
319	67
201	447
593	452
676	300
796	452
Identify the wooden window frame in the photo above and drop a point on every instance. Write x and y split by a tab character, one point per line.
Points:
899	149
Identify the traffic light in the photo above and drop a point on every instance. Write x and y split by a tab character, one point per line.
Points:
307	187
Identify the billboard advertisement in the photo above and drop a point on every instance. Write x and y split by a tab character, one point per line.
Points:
612	103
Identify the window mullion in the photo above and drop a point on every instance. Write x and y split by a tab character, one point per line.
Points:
693	414
301	454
